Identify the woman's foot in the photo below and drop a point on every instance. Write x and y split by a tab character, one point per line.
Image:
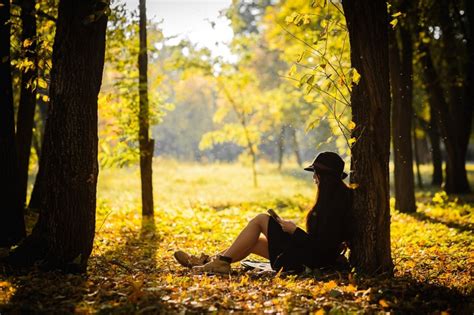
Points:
219	264
190	261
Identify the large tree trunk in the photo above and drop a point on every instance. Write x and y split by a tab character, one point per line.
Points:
65	229
401	71
451	129
367	22
26	110
12	227
146	144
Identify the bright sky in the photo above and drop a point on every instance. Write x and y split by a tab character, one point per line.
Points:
191	19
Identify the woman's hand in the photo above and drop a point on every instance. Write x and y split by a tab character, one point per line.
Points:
287	226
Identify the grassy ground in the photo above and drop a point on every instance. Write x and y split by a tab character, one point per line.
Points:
202	208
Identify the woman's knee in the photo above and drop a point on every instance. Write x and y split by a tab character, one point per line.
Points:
261	220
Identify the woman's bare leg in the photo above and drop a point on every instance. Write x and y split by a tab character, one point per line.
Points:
249	239
260	248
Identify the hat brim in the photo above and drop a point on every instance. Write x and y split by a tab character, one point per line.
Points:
320	167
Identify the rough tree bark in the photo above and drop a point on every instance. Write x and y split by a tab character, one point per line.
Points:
367	22
26	109
401	72
12	226
146	144
64	233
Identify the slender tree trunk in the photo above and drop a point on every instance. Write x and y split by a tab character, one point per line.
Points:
26	110
243	122
146	144
456	147
281	146
401	71
417	158
65	229
296	147
35	143
367	22
254	164
433	133
38	187
12	226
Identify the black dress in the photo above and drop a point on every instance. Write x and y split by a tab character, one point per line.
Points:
278	240
318	248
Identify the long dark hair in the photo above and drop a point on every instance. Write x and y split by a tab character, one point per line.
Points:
332	194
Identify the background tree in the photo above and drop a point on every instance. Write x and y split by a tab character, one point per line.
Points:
65	229
26	108
12	227
442	52
238	112
146	144
367	23
401	79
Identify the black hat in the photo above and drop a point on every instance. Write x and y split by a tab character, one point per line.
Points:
328	162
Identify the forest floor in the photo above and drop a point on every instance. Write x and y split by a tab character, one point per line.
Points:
202	208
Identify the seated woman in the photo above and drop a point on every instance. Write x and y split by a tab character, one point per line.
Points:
283	243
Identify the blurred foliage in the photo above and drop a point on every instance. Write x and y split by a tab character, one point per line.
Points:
201	209
118	99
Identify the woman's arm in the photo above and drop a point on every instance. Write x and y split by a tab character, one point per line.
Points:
288	226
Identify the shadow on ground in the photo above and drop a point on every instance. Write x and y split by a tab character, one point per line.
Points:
420	216
111	285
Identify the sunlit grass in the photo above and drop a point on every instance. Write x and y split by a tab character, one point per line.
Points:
217	185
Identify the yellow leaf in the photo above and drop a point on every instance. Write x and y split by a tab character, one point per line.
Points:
355	76
397	14
27	42
351	125
383	303
292	70
45	98
351	141
300	57
320	312
291	18
330	285
42	83
394	22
